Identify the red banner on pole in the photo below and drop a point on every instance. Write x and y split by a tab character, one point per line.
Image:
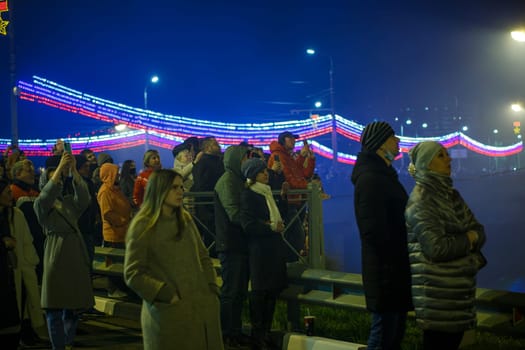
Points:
3	6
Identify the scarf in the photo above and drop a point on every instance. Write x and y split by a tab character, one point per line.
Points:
266	191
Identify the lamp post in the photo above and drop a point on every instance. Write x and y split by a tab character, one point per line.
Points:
153	80
311	52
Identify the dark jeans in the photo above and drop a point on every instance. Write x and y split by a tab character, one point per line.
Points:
62	326
262	308
387	330
433	340
233	291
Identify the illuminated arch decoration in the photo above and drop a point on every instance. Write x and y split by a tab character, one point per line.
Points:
165	131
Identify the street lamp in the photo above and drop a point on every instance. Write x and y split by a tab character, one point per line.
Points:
153	80
312	52
516	107
518	35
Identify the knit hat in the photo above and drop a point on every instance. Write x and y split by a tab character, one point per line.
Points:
179	148
282	136
422	154
375	135
251	167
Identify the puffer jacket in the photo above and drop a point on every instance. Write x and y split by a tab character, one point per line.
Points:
443	265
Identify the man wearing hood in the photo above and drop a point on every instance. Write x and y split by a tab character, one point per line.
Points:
379	203
231	244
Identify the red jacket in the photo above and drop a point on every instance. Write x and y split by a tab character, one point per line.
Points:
295	172
140	186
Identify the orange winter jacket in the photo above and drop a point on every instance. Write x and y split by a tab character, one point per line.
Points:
114	206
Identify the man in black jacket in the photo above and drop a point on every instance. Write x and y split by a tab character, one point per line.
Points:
206	172
379	202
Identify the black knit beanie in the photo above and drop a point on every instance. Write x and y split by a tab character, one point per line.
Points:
375	134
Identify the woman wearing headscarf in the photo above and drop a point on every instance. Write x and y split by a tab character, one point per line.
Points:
66	284
444	242
261	221
167	265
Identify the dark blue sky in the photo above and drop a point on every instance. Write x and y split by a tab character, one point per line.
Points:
245	61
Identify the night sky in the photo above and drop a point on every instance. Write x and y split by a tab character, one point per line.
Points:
245	60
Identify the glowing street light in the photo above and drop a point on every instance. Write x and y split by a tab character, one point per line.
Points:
465	128
318	104
516	107
495	131
518	35
153	80
424	125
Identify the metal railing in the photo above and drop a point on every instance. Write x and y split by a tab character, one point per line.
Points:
498	311
312	203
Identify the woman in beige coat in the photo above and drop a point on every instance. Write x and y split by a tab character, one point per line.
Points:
167	265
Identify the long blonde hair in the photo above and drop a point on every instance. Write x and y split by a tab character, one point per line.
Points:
159	184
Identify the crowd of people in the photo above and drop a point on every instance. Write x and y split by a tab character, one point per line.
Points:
420	251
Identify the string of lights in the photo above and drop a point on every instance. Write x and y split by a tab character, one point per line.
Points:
165	131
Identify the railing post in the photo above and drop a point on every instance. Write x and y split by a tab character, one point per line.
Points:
316	255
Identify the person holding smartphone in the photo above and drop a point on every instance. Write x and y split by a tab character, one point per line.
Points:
297	169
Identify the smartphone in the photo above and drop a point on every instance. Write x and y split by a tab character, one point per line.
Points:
276	158
67	147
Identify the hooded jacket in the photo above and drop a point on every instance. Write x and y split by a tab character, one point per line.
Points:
379	204
443	265
230	236
115	208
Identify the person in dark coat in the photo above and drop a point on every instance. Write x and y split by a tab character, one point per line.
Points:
10	319
444	241
232	246
379	203
206	172
261	220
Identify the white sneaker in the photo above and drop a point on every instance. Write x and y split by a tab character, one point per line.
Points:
117	293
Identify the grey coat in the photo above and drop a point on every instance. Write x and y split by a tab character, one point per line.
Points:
66	283
180	266
443	266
